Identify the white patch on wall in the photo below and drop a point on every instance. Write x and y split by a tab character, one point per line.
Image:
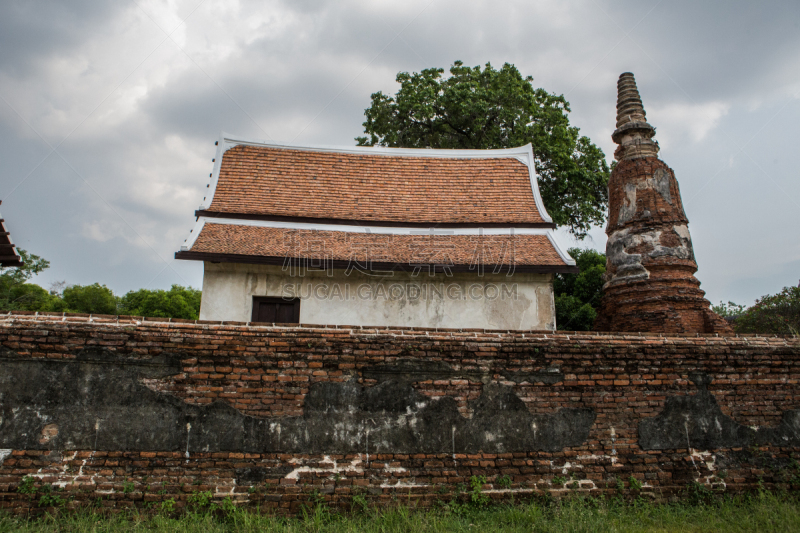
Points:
3	454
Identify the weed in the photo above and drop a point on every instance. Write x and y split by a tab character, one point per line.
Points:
504	482
227	506
200	500
559	481
26	486
477	496
127	487
698	493
360	503
317	498
635	484
168	506
50	497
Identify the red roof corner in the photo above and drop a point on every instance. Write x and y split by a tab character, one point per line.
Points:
8	252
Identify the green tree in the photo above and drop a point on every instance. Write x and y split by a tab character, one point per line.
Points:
178	302
474	108
777	313
95	299
15	291
578	295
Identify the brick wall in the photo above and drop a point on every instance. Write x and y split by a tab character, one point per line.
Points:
124	411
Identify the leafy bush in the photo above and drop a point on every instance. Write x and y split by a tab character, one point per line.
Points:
779	314
578	295
574	315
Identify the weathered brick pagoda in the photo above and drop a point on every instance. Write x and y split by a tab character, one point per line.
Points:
650	284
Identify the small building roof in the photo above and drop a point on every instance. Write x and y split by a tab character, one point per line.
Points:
8	252
268	201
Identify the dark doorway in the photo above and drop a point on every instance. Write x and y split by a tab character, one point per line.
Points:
277	310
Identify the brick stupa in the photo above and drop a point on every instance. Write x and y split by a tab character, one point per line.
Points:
650	284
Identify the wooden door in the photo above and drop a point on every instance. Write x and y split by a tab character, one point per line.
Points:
276	310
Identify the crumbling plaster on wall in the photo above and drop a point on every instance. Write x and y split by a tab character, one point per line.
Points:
697	422
99	402
660	182
629	252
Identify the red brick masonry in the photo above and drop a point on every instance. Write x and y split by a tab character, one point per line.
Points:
264	371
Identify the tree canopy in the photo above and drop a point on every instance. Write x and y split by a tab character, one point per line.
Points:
478	108
178	302
777	313
93	298
17	294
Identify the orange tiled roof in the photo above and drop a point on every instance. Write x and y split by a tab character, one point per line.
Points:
340	246
283	182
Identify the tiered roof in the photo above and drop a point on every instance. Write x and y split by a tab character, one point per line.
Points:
8	252
391	207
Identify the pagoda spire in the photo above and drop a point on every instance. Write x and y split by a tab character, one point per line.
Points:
649	280
633	134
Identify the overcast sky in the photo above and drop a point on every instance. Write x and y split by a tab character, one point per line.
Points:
109	111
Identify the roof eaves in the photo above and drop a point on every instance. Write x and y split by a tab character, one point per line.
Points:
8	254
386	230
188	255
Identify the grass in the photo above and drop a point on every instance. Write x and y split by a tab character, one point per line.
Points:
759	512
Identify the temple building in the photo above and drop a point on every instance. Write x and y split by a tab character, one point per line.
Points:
8	251
650	284
376	236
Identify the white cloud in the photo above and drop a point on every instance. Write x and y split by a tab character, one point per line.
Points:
679	120
96	232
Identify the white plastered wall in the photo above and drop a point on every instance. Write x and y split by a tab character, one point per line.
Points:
522	301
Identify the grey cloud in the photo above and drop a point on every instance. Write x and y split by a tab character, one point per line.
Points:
30	31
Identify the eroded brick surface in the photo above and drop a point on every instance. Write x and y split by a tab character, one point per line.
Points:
627	404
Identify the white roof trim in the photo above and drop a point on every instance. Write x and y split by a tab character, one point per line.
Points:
564	255
198	227
380	230
524	154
